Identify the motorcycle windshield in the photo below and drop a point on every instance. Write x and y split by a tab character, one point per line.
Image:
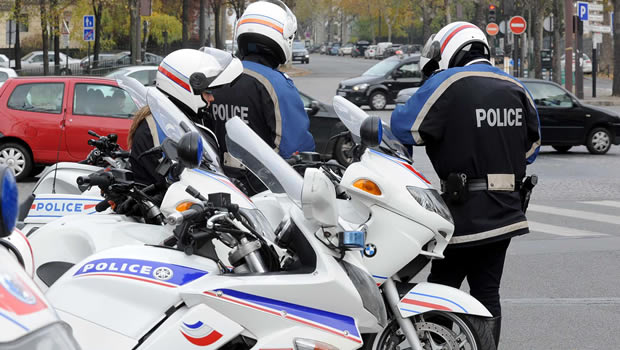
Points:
173	124
262	161
134	88
352	117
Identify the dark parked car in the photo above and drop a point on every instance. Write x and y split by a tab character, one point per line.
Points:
325	126
300	53
378	86
359	48
403	95
567	122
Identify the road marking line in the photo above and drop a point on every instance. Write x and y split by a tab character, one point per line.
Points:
578	214
562	301
613	204
560	230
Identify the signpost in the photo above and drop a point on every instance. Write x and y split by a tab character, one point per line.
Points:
89	33
492	29
582	10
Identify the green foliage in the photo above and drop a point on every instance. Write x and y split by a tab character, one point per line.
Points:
158	23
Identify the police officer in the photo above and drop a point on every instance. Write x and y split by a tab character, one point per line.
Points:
481	128
263	97
188	78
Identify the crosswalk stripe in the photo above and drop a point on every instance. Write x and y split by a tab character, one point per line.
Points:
613	204
578	214
560	230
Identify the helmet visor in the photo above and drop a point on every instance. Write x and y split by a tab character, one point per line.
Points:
431	49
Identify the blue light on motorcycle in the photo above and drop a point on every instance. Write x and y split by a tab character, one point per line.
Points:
200	150
352	240
8	201
380	133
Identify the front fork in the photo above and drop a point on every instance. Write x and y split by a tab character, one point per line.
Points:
393	299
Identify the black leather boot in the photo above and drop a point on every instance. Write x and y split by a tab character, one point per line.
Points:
495	323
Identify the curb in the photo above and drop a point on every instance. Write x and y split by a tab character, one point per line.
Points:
602	102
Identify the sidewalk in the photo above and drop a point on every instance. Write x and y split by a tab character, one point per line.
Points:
602	101
294	71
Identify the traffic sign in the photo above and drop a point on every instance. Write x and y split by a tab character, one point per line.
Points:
582	10
517	25
600	29
89	34
89	21
595	7
595	18
492	29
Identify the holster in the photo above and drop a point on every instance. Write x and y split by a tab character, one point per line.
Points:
456	191
525	192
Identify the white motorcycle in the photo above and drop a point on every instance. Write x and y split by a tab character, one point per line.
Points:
27	321
297	290
407	224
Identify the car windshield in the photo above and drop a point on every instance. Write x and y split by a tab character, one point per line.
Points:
298	45
26	57
382	68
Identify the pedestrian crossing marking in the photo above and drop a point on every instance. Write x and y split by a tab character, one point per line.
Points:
561	230
578	214
613	204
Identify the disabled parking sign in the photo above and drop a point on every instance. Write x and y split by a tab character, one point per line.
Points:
89	34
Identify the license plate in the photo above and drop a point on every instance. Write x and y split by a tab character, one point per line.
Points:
342	93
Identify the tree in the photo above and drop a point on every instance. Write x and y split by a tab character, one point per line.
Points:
540	9
216	6
17	16
97	6
44	36
239	7
160	23
616	29
558	28
185	21
55	26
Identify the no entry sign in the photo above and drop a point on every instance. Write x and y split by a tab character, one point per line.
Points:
492	29
517	25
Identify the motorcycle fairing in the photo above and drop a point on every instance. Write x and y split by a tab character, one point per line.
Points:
49	207
425	297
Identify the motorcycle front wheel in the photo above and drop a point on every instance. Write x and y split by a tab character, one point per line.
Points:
437	331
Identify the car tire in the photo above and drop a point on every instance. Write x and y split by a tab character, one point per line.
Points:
65	71
18	158
342	148
377	100
599	141
562	149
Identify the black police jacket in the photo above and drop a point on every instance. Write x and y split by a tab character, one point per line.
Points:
481	122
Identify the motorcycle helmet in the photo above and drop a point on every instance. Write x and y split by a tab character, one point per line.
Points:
455	45
185	74
267	25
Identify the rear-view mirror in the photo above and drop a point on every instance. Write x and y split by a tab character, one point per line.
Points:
189	150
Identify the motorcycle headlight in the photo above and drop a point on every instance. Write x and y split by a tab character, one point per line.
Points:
360	87
56	336
431	200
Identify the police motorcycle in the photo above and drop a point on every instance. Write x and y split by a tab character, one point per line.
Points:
383	193
283	290
27	321
93	231
57	194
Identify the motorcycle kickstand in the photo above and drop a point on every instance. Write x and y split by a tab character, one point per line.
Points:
391	294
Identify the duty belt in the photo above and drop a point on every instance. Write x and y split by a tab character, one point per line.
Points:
483	184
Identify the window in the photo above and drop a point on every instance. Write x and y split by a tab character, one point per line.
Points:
39	97
102	100
3	76
145	77
547	95
410	70
306	100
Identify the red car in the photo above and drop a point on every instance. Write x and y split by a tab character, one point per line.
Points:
46	119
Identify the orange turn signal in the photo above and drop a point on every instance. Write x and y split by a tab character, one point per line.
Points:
184	206
367	186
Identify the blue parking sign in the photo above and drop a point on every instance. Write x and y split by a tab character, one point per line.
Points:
89	34
582	10
89	21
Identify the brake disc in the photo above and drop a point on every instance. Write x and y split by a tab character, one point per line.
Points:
444	339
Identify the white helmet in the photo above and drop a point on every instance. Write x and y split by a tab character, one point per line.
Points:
269	23
450	45
185	74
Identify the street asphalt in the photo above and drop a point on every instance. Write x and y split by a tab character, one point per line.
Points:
561	284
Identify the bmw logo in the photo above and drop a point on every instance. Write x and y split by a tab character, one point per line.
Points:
370	250
163	273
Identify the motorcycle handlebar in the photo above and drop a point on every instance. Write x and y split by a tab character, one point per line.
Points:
103	180
178	218
93	134
101	206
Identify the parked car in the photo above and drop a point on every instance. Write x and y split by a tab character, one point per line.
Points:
359	49
370	52
333	51
379	85
324	126
380	51
144	74
566	122
5	74
106	59
584	62
300	53
32	63
124	59
4	61
323	49
404	95
409	49
33	108
345	50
